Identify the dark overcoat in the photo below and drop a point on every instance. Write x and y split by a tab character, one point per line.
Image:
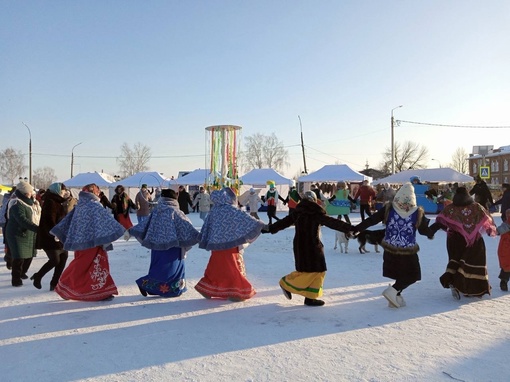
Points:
20	231
53	211
308	249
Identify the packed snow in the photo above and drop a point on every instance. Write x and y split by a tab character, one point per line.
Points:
354	337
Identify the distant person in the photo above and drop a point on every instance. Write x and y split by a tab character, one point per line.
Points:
53	211
482	193
366	195
253	203
122	203
143	201
340	203
504	201
195	207
184	200
203	201
292	199
3	222
504	252
23	216
271	200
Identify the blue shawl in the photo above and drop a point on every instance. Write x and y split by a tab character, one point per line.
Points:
166	227
226	226
88	225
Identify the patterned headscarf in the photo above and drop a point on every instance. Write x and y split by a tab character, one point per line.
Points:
88	225
226	226
404	202
166	227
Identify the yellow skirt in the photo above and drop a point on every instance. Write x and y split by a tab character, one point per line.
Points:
307	284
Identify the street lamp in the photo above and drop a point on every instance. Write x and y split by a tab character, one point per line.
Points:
29	154
437	160
393	141
72	157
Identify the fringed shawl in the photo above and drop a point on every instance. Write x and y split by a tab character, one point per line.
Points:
166	227
226	226
88	225
469	220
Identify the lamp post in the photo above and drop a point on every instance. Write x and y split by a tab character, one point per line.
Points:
393	140
437	160
72	157
29	153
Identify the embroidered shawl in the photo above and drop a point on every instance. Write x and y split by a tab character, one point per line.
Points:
469	220
226	226
88	225
166	227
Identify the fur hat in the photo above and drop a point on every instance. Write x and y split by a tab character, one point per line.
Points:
25	188
169	193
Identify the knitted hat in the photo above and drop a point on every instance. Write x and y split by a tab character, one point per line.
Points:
25	188
252	190
404	202
168	193
310	195
271	183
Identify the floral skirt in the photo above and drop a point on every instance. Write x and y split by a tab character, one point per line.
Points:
87	277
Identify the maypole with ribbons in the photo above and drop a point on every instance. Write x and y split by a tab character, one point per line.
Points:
224	141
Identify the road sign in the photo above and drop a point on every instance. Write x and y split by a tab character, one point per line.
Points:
485	172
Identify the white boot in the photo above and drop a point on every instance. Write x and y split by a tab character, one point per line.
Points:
400	301
390	294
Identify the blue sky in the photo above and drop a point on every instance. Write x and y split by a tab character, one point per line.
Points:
159	72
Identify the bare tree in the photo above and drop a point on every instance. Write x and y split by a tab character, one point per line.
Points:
408	156
43	177
11	164
460	160
262	151
133	160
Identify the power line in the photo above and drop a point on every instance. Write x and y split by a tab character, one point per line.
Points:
462	126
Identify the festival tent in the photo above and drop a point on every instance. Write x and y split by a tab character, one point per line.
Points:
196	177
258	178
76	183
428	175
152	179
334	173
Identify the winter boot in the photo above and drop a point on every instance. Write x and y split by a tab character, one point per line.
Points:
37	280
313	302
400	301
455	292
504	285
286	293
390	294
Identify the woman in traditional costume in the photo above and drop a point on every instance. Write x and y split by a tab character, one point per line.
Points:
464	221
226	232
169	234
121	203
340	203
403	219
308	278
88	230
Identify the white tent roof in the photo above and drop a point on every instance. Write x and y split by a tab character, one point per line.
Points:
80	180
150	178
260	176
431	175
335	173
196	177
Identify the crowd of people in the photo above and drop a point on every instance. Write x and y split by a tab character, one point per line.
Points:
57	223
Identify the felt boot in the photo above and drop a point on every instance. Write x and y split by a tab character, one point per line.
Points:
390	294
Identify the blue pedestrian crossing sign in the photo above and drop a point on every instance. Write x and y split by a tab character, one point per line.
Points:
485	172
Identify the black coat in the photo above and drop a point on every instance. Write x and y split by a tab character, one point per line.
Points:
482	194
53	211
308	249
184	200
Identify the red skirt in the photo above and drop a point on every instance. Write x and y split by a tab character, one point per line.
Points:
87	278
125	221
225	277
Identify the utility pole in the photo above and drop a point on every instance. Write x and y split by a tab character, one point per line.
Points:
29	153
302	145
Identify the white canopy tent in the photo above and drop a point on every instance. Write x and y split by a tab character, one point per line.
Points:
152	179
428	175
197	177
76	183
334	173
258	178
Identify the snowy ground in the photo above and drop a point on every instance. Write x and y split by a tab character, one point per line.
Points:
354	337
